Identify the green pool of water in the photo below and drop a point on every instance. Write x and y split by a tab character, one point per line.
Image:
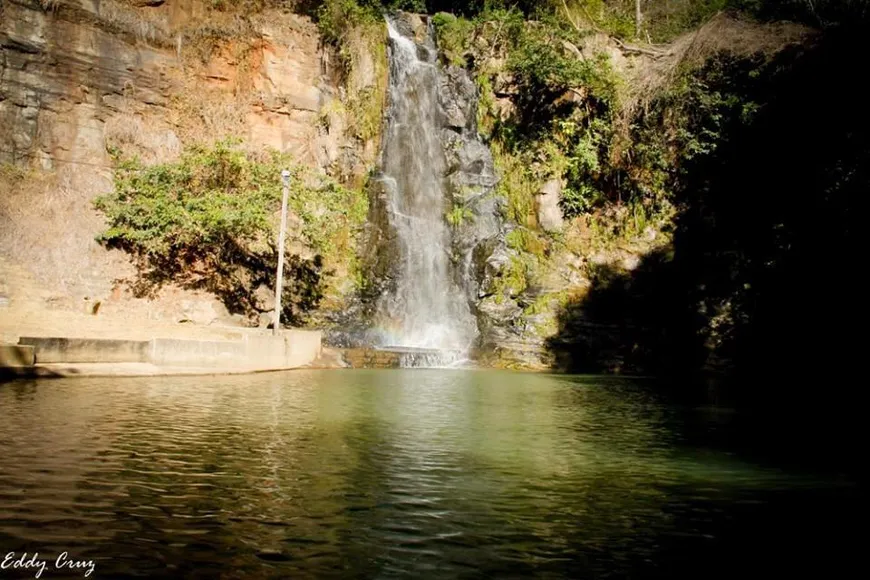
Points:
378	474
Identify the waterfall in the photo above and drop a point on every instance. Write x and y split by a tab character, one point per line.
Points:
425	307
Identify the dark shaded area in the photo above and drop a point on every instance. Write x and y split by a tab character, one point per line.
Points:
816	12
760	287
233	273
634	323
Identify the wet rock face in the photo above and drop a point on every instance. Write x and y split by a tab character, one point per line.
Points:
469	164
458	100
352	327
380	243
480	251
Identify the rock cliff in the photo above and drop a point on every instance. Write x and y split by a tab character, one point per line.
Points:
571	162
85	81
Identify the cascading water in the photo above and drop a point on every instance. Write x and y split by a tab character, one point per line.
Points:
425	309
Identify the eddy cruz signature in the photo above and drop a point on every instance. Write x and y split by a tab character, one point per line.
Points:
37	565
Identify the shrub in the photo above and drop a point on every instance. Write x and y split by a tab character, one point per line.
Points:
336	18
453	35
209	220
208	197
579	200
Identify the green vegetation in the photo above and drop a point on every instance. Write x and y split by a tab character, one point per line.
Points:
561	109
567	113
337	19
458	216
558	103
527	240
209	220
356	32
453	34
513	280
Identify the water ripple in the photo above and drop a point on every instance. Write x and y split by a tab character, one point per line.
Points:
373	474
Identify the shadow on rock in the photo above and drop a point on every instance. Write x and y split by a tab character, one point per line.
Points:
760	286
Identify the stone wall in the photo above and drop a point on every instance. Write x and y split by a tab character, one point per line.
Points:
369	358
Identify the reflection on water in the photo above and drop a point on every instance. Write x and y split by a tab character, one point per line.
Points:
379	474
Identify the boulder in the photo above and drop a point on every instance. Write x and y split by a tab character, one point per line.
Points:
264	298
548	209
418	25
203	311
265	319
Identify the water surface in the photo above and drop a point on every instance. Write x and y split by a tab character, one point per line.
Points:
376	474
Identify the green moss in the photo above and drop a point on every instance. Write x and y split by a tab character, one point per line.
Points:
458	216
487	116
527	241
517	183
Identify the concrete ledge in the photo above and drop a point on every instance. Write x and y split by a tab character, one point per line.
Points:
98	370
187	353
86	350
16	355
252	353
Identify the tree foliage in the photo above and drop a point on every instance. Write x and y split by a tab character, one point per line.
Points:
209	221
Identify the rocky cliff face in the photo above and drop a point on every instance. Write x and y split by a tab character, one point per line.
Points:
474	210
70	67
479	227
85	81
82	80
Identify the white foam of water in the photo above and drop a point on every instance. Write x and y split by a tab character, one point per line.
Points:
427	310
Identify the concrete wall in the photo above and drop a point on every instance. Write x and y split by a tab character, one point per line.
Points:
16	355
303	346
290	349
293	348
86	350
172	352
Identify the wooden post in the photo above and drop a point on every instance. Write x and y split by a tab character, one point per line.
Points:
638	19
279	280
